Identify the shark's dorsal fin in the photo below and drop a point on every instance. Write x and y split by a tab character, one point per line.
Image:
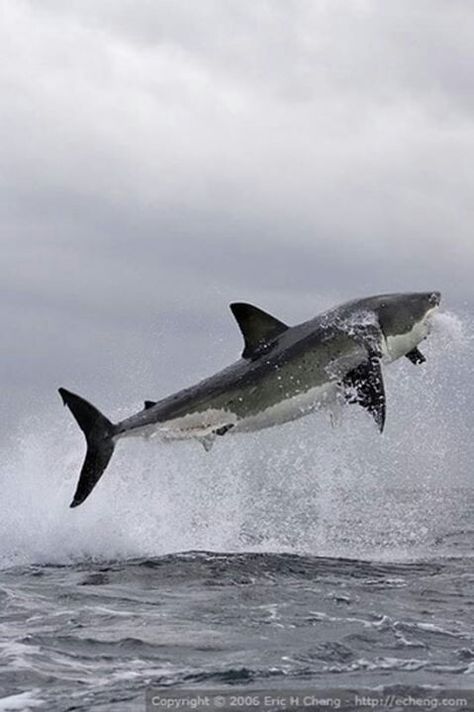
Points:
258	328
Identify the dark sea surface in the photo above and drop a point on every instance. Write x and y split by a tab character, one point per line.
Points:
307	556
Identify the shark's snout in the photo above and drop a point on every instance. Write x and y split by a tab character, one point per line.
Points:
435	298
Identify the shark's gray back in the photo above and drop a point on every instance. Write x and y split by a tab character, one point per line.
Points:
298	360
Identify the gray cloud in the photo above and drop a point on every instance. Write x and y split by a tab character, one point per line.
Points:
164	158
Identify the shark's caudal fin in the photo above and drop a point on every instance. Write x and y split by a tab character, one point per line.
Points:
99	433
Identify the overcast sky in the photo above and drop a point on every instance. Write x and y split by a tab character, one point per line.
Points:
162	158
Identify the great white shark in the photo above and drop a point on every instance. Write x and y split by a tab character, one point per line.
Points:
285	372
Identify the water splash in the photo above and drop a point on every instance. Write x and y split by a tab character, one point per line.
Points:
303	487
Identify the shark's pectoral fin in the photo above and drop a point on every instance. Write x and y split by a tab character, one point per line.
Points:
258	328
149	404
364	385
415	356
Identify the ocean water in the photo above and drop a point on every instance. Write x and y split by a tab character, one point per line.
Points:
303	556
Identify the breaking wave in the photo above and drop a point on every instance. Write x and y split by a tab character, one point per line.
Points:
305	487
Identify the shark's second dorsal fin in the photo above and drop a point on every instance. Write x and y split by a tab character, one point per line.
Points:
258	328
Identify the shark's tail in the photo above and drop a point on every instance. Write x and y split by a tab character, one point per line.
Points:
100	445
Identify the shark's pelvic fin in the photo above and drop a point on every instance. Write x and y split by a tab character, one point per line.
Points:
149	404
99	432
415	356
258	328
364	385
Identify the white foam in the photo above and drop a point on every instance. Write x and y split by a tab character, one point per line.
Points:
24	701
451	329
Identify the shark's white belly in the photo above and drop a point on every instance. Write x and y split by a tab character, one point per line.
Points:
289	409
202	425
192	425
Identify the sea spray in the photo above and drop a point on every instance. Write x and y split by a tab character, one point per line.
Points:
303	487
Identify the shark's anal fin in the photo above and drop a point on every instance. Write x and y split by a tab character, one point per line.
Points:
149	404
364	385
258	328
207	441
415	356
